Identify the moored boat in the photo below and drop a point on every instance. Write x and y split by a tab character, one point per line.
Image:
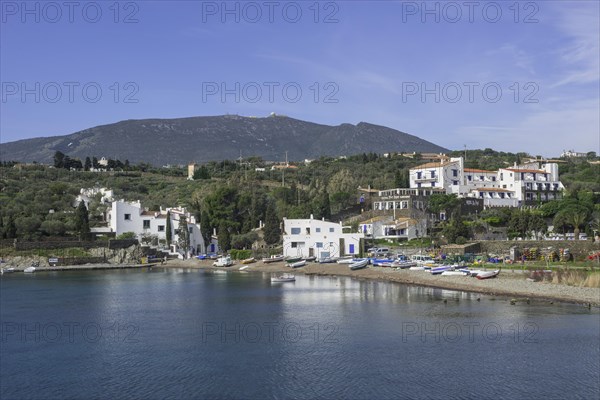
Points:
283	278
297	264
272	259
359	264
292	260
454	273
402	264
439	270
326	260
488	274
7	270
249	260
29	270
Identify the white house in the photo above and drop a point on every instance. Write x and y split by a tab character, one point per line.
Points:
131	217
318	238
106	196
386	227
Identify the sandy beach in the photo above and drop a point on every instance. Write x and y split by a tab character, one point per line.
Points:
509	283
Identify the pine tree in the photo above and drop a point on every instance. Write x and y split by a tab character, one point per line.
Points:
10	231
184	235
169	229
205	227
271	232
224	237
59	158
88	164
82	221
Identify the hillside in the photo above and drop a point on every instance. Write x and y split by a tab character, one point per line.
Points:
201	139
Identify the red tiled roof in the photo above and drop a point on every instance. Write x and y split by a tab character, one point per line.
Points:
533	171
479	170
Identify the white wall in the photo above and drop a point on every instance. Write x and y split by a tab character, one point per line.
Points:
306	237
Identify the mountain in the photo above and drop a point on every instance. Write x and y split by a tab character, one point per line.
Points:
200	139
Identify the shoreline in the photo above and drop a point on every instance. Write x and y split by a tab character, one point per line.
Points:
507	284
510	284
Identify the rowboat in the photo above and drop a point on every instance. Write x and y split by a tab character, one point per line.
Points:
310	259
244	267
7	270
346	260
359	264
291	260
272	259
488	274
417	268
297	264
403	264
326	260
249	260
454	273
283	278
29	270
439	270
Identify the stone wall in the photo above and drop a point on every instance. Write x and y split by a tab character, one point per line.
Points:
579	248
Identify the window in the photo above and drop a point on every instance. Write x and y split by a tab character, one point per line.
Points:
127	217
295	231
376	207
454	172
319	245
481	178
146	224
294	245
493	179
161	228
432	184
455	182
418	175
331	229
433	174
191	230
308	231
469	178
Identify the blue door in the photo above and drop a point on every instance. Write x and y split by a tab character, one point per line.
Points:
351	249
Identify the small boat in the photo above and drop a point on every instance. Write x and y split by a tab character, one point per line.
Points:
360	264
291	260
244	267
29	270
7	270
439	270
488	274
417	268
283	278
310	259
223	262
454	273
471	272
346	260
249	260
402	264
326	260
272	259
382	262
297	264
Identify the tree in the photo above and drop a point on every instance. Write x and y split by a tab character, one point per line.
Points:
88	164
95	162
224	237
59	158
201	173
205	227
184	235
53	227
271	231
321	206
169	229
576	216
10	230
82	221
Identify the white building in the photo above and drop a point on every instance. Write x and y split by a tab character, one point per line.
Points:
318	238
572	154
507	187
386	227
106	196
131	217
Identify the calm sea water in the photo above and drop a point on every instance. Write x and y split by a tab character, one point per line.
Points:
194	334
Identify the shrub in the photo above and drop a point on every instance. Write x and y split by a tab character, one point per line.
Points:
126	235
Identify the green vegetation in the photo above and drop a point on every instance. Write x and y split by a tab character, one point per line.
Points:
37	201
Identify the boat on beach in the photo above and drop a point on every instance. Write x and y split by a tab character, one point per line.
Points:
488	274
326	260
245	267
454	273
292	260
440	270
359	264
283	278
297	264
249	260
403	264
310	259
272	259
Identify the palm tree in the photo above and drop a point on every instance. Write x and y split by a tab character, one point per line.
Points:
576	217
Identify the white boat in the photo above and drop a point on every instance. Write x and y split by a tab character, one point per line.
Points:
7	270
272	259
488	274
454	273
360	264
249	260
421	259
244	267
297	264
347	260
440	270
29	270
326	260
224	261
283	278
403	264
417	268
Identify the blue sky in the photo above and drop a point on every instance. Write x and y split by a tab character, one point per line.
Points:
432	69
